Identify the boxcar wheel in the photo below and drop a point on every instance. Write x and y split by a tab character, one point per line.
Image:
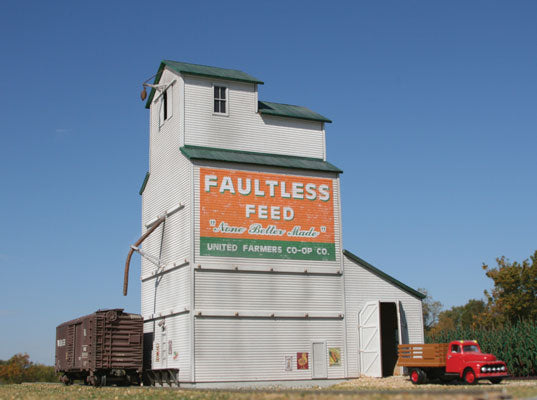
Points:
66	380
94	380
495	381
417	376
469	377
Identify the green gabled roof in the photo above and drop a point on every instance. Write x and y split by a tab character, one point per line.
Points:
201	70
249	157
383	275
287	110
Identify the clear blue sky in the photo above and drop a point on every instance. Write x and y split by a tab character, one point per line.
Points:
435	115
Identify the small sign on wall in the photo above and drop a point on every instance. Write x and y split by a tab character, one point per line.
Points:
302	361
334	356
288	363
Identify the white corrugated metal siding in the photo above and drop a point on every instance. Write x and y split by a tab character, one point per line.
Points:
231	349
230	290
362	286
169	184
243	128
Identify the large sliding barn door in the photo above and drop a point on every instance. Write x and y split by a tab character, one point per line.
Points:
369	331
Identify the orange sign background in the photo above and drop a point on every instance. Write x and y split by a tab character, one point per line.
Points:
219	204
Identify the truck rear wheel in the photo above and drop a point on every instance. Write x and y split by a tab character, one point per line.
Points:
469	377
417	376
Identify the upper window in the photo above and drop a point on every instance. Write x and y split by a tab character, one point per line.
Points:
165	106
220	99
455	348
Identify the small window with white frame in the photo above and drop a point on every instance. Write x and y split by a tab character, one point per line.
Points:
220	100
165	105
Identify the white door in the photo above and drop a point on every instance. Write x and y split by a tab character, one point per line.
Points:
369	328
320	370
402	330
401	324
164	350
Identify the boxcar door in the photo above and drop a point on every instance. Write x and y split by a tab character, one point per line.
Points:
369	332
79	339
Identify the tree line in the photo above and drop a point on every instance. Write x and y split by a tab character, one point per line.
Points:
513	298
20	369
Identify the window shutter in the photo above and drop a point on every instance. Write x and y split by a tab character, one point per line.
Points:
161	111
169	94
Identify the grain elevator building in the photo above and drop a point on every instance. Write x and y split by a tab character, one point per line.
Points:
246	278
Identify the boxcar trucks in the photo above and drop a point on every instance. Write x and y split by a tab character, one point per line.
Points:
461	359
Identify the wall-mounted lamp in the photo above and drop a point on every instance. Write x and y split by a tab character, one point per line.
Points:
160	88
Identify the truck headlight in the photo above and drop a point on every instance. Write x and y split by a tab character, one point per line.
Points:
483	369
502	368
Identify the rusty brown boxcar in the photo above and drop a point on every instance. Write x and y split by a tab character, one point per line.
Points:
100	348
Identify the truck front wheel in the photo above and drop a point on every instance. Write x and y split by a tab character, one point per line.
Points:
469	377
417	376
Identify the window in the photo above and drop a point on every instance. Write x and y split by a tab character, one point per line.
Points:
470	348
220	97
165	106
455	348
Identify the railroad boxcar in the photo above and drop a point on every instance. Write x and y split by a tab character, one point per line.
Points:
100	348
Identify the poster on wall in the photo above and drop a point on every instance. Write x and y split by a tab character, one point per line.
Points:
334	355
288	363
302	361
262	215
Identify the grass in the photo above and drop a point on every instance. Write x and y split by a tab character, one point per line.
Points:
365	388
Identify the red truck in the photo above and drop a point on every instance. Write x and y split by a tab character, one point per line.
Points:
460	359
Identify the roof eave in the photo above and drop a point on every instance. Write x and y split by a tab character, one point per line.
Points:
294	116
222	77
184	150
384	275
155	82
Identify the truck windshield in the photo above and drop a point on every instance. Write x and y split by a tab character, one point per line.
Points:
470	348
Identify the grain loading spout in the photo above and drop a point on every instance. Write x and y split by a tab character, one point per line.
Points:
152	226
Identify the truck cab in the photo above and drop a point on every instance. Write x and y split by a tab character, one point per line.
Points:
465	359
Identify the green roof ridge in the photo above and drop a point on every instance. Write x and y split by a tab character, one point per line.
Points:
383	275
251	157
290	111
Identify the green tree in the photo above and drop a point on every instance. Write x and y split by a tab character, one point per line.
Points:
514	296
20	369
466	316
430	309
16	369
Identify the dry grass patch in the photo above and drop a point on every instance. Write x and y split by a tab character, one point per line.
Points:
393	388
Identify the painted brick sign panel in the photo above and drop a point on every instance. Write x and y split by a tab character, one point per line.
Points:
262	215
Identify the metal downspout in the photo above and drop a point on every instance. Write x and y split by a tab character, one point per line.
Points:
131	251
